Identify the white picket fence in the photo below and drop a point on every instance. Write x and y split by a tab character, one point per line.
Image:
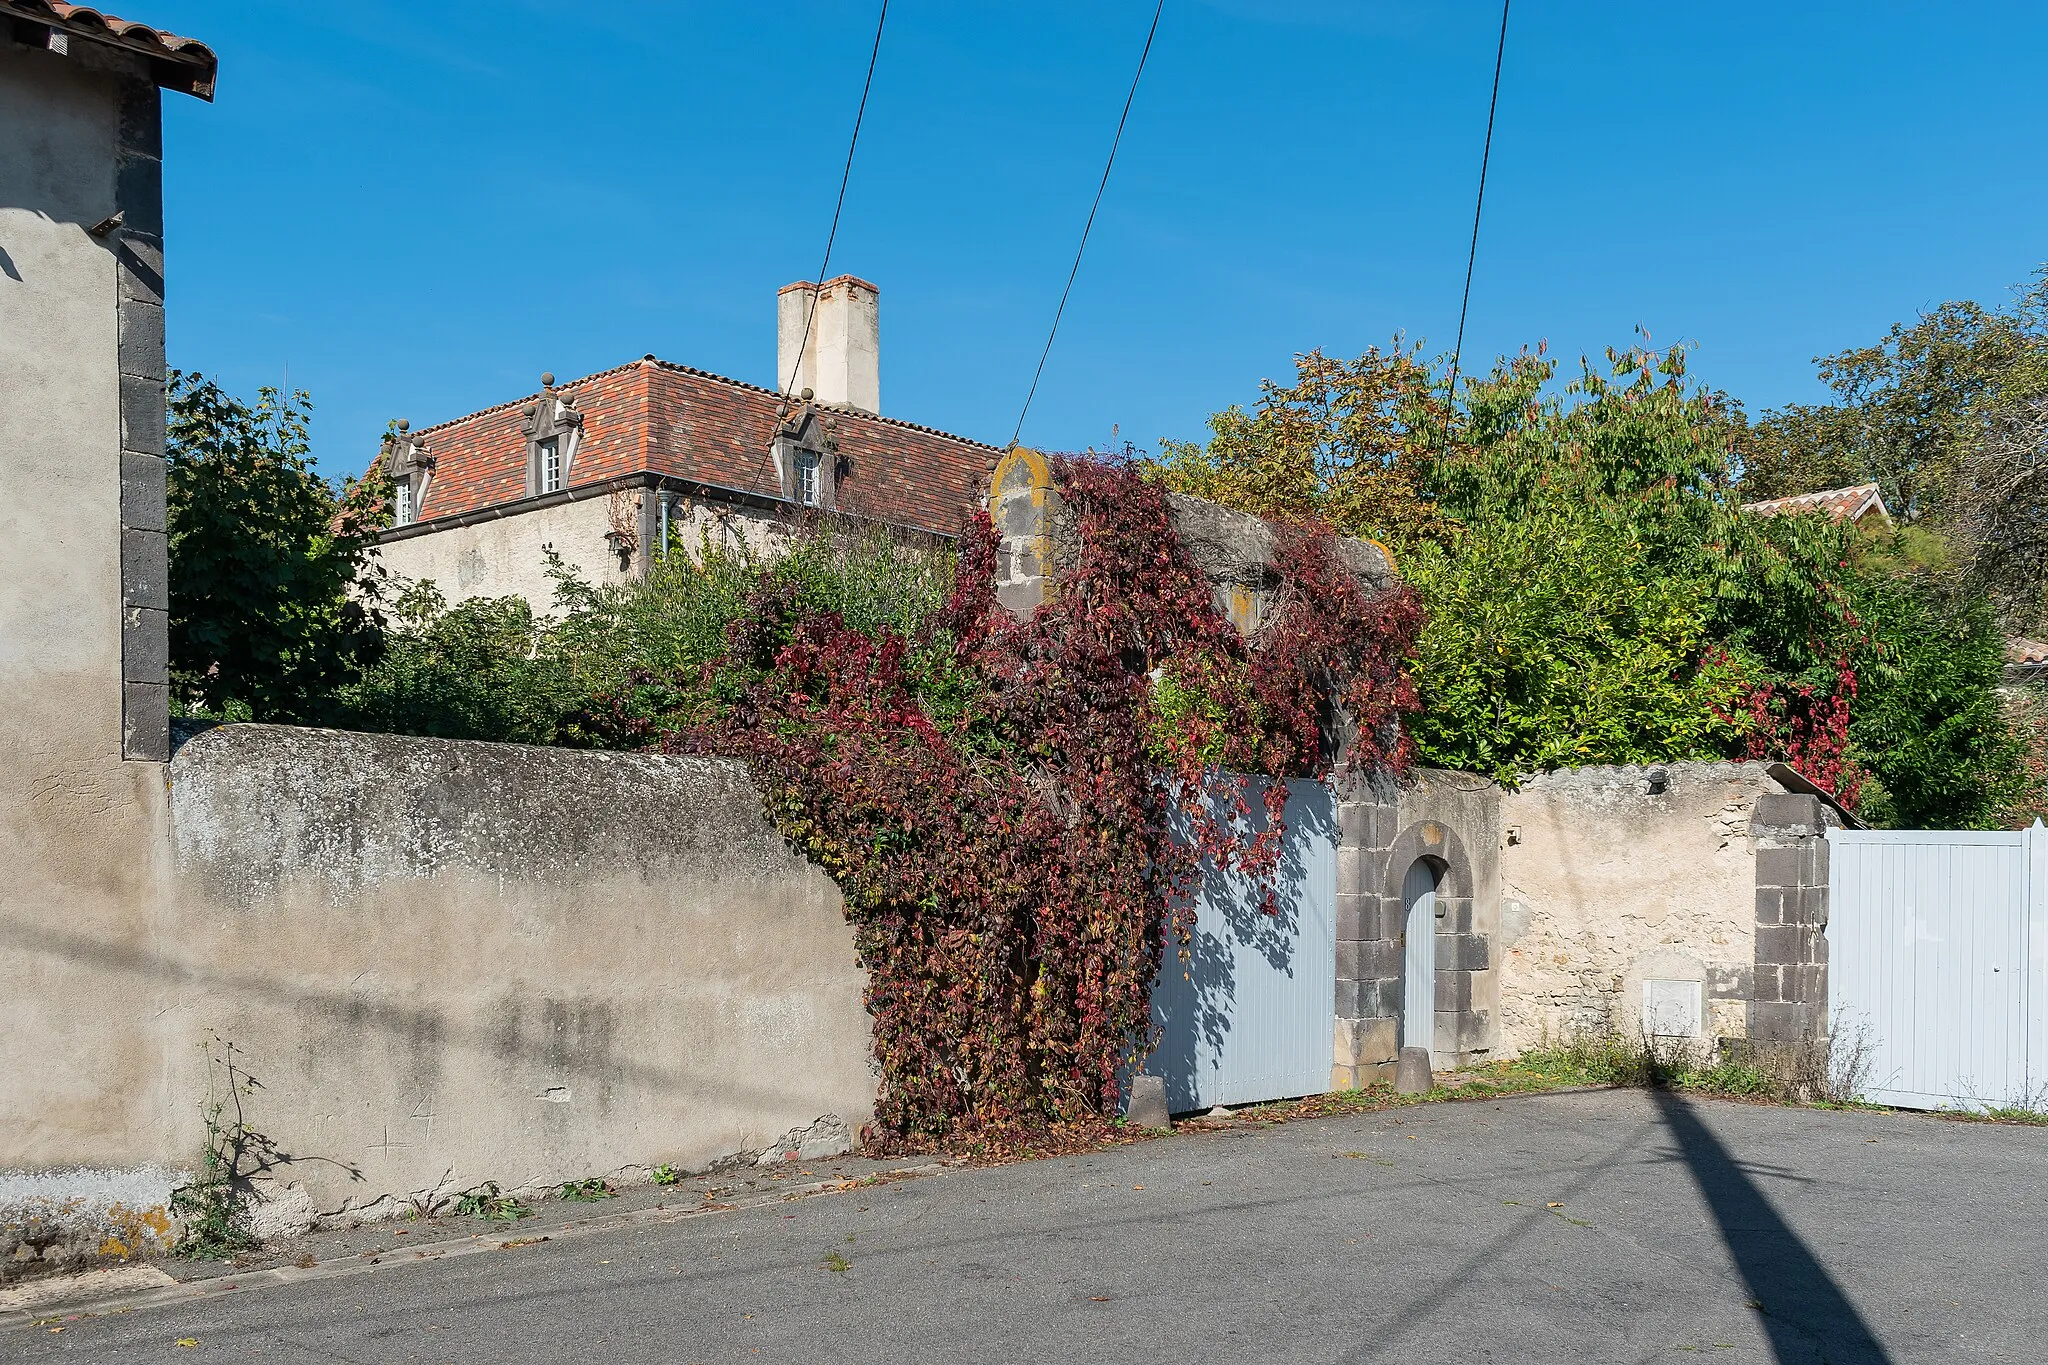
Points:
1938	961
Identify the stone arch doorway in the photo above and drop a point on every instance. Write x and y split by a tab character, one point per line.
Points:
1421	908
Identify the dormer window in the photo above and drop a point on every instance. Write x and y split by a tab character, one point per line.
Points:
805	447
809	483
554	430
409	467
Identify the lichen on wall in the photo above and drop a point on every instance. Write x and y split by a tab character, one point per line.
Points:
69	1219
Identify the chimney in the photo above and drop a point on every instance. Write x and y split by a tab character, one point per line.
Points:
841	361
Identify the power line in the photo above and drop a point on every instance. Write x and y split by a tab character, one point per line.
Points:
1472	258
818	284
1090	225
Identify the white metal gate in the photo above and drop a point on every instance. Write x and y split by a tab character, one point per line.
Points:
1250	1016
1938	957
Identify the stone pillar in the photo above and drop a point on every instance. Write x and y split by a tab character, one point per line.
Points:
1790	1000
145	570
1369	928
1023	503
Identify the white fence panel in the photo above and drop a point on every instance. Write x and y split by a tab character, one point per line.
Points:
2037	967
1250	1016
1936	956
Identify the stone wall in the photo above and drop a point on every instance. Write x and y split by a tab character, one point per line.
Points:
1684	900
443	963
1790	997
1450	819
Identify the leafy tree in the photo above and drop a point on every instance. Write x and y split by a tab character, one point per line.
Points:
1908	407
1928	722
1554	639
273	586
1998	512
1596	595
474	671
1343	443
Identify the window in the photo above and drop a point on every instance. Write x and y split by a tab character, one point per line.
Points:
807	479
549	452
401	508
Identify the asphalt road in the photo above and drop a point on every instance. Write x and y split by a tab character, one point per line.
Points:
1610	1226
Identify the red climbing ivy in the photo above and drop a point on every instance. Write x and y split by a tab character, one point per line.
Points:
1808	728
999	801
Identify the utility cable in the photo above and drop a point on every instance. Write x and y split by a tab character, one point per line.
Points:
1472	257
1090	225
818	284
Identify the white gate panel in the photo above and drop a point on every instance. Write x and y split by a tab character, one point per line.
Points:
1249	1016
2036	987
1930	960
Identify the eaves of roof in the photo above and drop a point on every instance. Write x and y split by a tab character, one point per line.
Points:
175	63
566	385
646	479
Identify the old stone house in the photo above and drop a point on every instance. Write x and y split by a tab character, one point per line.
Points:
609	470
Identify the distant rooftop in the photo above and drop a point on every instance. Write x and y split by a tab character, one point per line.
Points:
1842	504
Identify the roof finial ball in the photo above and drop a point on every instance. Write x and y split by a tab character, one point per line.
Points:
805	395
547	379
404	425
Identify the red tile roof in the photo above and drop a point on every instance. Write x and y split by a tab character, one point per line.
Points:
176	63
1852	504
652	416
2019	650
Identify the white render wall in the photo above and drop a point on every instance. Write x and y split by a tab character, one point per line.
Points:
83	832
506	557
1605	885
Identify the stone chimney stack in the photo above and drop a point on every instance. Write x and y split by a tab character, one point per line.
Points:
841	362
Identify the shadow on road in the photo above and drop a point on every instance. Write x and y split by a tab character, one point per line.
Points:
1799	1305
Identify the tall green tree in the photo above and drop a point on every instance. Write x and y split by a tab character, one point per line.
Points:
273	585
1908	407
1597	595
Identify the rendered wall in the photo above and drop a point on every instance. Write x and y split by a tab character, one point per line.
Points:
506	557
83	839
444	963
1607	883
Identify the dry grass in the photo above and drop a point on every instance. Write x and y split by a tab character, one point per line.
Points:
1826	1071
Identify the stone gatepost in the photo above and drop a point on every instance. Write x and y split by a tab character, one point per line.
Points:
1369	929
1023	503
1790	991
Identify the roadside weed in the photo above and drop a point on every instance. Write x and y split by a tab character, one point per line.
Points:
486	1201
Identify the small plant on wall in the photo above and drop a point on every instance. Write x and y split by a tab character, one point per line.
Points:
988	791
214	1203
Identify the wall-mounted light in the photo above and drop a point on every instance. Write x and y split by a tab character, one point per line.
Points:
622	544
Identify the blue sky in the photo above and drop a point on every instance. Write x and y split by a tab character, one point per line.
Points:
415	208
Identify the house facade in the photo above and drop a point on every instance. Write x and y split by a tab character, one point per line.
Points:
608	471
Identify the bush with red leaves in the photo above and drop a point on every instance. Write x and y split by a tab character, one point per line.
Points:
999	802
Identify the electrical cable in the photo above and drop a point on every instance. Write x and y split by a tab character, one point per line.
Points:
1472	257
818	285
1090	225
